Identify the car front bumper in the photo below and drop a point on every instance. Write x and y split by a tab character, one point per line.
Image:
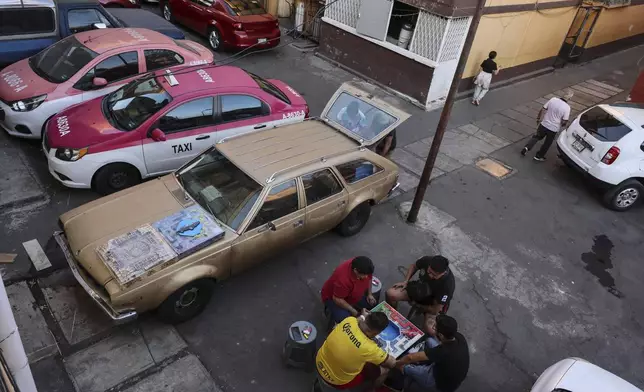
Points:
76	174
119	316
26	125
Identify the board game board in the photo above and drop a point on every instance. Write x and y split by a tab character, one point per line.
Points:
399	335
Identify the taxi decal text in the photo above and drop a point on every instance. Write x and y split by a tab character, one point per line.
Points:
177	148
298	113
204	75
63	125
14	81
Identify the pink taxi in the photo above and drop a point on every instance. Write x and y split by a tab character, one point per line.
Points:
155	124
82	67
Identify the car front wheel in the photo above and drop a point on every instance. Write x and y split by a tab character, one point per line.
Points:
187	302
624	196
167	13
115	177
355	221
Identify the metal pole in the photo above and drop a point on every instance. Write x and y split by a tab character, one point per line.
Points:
11	346
447	110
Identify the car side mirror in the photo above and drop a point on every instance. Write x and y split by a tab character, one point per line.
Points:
157	135
99	82
271	226
642	146
100	25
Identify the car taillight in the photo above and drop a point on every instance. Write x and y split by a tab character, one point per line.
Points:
277	24
306	112
238	26
611	155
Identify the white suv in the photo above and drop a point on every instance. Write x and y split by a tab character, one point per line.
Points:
606	142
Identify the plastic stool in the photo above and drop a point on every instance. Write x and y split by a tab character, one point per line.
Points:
299	349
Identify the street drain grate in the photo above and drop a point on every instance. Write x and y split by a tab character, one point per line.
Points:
494	168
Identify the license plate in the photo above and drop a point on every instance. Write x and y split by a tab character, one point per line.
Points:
261	41
578	146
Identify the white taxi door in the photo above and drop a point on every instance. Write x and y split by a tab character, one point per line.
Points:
189	129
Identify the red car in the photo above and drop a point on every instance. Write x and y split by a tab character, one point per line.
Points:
236	24
120	3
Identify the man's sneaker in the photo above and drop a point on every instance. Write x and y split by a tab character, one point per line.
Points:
540	159
524	151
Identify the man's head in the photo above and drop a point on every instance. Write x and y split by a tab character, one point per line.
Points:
446	327
362	267
492	55
436	266
568	94
352	109
374	323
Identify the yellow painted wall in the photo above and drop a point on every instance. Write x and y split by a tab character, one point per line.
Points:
617	23
519	37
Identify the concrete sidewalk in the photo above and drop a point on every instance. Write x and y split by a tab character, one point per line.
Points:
18	186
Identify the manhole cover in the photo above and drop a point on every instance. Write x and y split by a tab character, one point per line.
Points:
494	168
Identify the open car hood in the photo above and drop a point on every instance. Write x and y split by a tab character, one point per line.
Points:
360	115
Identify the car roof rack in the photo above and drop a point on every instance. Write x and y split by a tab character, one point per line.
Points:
322	159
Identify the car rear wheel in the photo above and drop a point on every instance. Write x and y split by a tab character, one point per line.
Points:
214	39
115	177
624	196
187	302
167	13
355	221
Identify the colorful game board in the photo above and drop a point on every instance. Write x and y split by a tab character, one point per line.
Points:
400	334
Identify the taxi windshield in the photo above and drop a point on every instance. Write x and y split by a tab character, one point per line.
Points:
358	117
62	60
220	187
132	104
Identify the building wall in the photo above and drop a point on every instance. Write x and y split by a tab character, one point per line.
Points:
617	23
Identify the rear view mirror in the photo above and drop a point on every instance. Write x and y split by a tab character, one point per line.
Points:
100	26
99	82
157	135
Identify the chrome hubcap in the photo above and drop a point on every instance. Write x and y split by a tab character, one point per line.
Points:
187	298
214	39
627	197
166	12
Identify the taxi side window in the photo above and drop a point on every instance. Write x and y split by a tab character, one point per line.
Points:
355	171
113	68
320	185
84	19
161	58
193	114
280	201
241	107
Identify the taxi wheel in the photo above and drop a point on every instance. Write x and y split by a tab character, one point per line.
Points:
115	177
624	196
355	221
187	302
214	39
167	13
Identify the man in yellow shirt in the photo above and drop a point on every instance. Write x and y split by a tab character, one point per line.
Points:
349	357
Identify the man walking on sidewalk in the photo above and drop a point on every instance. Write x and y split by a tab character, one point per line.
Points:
552	117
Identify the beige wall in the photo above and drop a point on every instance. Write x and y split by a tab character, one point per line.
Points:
519	37
617	23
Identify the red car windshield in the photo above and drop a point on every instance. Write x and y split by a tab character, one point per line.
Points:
245	7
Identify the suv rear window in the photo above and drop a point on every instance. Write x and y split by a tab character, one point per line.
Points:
26	21
602	125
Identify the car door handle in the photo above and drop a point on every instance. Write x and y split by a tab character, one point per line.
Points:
343	202
298	223
203	137
259	126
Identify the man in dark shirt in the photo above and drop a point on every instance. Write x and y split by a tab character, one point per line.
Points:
433	290
445	359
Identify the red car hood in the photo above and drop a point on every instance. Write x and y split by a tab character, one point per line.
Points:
19	81
80	126
295	97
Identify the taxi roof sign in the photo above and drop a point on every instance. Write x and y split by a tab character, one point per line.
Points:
169	77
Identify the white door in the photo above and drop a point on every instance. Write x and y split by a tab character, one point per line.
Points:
189	129
373	18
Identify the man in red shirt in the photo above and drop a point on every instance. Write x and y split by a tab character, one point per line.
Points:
348	290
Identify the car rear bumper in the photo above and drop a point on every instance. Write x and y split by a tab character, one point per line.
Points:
573	164
85	282
596	174
242	39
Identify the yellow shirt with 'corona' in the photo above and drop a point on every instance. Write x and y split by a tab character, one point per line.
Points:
345	352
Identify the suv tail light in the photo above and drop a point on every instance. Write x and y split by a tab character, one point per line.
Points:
238	26
611	155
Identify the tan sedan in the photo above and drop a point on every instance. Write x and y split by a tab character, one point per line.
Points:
165	243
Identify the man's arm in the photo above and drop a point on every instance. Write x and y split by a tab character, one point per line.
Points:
388	140
410	272
341	302
389	363
541	113
412	358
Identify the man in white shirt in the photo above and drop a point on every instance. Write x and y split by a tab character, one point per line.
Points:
552	118
351	117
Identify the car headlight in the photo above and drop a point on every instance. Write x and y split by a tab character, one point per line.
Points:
71	154
25	105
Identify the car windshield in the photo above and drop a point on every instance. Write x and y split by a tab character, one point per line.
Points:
245	7
220	187
269	88
135	102
62	60
360	119
602	125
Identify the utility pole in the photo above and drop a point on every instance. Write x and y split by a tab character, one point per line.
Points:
445	114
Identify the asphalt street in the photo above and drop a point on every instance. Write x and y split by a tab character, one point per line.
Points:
543	271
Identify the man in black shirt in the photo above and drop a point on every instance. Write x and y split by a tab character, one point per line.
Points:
433	290
445	359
